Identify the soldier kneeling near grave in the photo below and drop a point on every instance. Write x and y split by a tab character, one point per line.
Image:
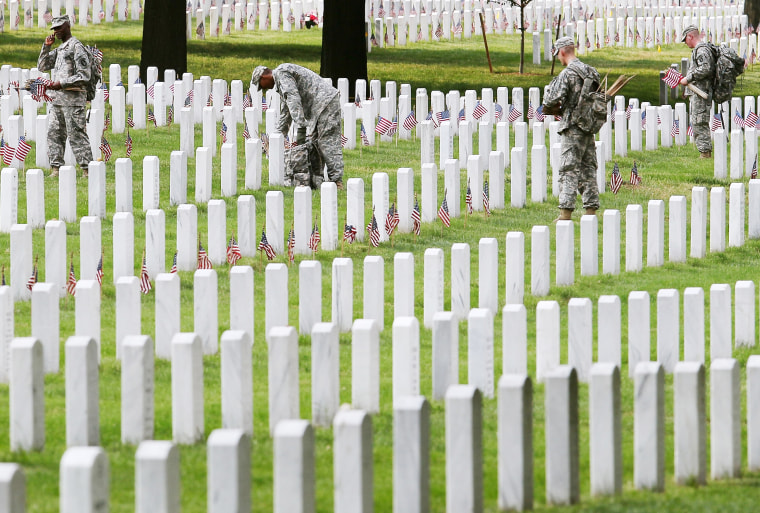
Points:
314	106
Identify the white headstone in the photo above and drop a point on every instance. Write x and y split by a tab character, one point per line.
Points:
26	395
325	372
237	381
561	432
283	375
649	427
187	388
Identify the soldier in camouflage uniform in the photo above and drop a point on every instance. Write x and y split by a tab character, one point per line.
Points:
701	74
577	172
310	103
70	63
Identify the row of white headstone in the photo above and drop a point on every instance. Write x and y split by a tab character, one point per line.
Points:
21	13
229	449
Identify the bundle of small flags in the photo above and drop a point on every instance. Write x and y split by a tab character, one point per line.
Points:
266	247
672	78
38	89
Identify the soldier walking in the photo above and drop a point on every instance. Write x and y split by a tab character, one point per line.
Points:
701	74
310	103
577	172
70	63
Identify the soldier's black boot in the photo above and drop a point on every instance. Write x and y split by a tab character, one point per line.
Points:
706	154
53	172
84	172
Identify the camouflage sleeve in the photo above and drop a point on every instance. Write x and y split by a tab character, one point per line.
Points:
81	66
283	123
558	90
704	66
46	60
292	98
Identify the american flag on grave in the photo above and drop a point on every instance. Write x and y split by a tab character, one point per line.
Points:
7	151
540	113
462	116
443	116
246	132
210	100
439	31
145	285
291	246
149	91
130	120
349	233
468	198
416	217
616	180
751	119
443	212
107	122
314	239
33	278
383	125
105	149
514	114
266	247
23	149
189	98
499	111
643	119
373	231
99	271
128	144
71	282
223	132
247	101
486	203
738	119
432	118
152	117
753	173
204	262
674	130
672	77
628	111
716	122
363	135
635	178
343	140
174	264
170	116
106	93
233	251
690	131
479	111
390	220
227	100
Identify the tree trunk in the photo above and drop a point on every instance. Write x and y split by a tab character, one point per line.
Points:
752	10
344	43
164	43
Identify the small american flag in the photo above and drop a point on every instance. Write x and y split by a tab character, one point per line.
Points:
486	203
107	122
363	134
99	271
128	144
189	99
531	111
389	224
410	121
33	278
266	247
210	100
616	180
149	91
22	150
233	251
394	127
514	114
416	217
628	111
383	125
374	231
479	111
672	78
105	148
227	100
145	285
540	113
432	118
71	282
499	111
38	89
751	119
635	178
349	233
170	116
468	198
223	132
247	101
439	31
462	116
716	123
203	260
7	151
106	94
291	246
343	140
753	173
130	120
674	129
690	131
738	119
419	34
174	264
443	116
152	117
443	212
643	119
246	132
314	239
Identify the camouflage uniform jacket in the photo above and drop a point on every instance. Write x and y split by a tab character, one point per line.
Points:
71	63
701	69
304	93
564	92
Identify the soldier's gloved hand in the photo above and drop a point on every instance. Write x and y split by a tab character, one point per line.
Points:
301	135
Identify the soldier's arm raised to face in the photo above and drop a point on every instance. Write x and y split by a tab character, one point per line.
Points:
289	92
82	68
46	60
704	66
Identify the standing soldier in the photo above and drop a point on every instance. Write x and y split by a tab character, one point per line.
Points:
577	172
701	74
309	102
70	63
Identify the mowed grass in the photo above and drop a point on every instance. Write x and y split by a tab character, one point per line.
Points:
458	65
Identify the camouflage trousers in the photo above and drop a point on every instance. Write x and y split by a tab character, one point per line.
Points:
326	136
68	122
699	115
577	171
303	166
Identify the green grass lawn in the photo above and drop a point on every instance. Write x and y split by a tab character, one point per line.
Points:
441	66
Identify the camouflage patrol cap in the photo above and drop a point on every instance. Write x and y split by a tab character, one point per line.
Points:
59	21
690	28
561	43
256	76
